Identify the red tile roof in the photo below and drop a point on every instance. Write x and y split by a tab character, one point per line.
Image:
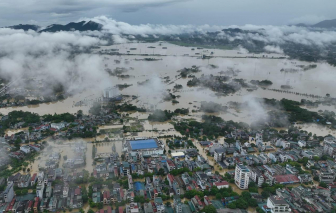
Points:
222	183
290	178
33	178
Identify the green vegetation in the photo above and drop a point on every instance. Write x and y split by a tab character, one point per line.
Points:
244	201
182	111
178	86
160	116
129	107
56	118
296	113
211	127
261	83
209	209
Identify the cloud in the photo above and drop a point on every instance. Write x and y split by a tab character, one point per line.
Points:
57	58
117	27
242	50
60	14
282	34
274	49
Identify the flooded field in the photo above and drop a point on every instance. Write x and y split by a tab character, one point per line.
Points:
146	79
317	129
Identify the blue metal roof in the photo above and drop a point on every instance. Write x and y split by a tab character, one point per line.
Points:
143	144
139	186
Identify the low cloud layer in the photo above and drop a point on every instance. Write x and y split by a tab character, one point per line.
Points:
273	49
275	35
54	58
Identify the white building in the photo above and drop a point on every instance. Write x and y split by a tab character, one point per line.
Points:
57	126
219	154
242	176
25	149
8	194
282	143
132	208
278	204
222	184
111	92
302	143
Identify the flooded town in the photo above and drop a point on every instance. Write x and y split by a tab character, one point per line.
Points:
162	127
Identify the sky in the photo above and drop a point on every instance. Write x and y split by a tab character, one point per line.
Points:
175	12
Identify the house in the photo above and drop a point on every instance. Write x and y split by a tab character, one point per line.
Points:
33	179
25	149
222	184
329	148
302	143
148	208
304	178
286	179
219	154
282	143
106	197
52	204
8	194
96	197
36	204
170	165
2	181
58	126
160	207
197	203
170	179
131	208
277	204
14	179
24	181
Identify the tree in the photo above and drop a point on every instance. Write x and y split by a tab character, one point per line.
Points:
232	205
241	203
161	172
315	158
252	202
246	195
209	209
323	184
218	196
265	194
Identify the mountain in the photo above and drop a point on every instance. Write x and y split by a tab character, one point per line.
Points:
301	25
72	26
24	27
326	24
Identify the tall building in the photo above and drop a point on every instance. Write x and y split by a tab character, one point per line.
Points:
8	194
278	204
242	176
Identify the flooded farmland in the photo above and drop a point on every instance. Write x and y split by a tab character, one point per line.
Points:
168	61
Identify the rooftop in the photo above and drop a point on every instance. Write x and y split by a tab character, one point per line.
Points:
277	200
143	144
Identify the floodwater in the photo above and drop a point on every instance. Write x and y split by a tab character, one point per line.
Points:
319	130
67	105
173	59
